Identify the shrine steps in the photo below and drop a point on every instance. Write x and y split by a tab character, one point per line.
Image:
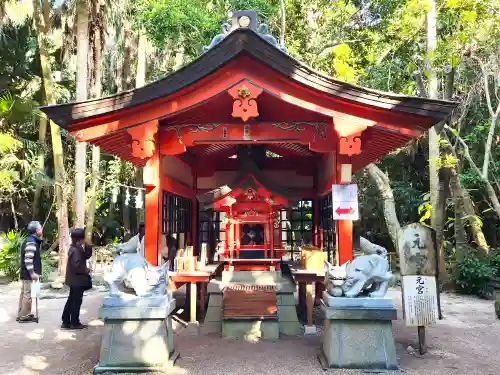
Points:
249	312
252	323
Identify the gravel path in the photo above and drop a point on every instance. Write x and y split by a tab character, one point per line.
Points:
466	342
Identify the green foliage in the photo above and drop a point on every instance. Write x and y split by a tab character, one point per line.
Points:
474	274
497	308
425	210
192	22
10	253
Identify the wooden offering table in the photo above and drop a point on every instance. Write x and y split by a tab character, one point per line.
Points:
202	275
305	279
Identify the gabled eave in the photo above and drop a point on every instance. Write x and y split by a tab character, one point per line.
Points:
247	42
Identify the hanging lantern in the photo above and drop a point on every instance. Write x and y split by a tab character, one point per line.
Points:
114	194
127	197
138	199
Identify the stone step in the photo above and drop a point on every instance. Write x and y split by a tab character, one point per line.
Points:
249	302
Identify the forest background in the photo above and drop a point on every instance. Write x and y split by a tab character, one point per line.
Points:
57	51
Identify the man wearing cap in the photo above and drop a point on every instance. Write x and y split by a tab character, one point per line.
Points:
31	269
77	278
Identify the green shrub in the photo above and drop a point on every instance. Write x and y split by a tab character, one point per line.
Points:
497	308
10	253
475	274
46	267
495	262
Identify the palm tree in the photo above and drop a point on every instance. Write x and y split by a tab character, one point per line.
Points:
41	13
82	52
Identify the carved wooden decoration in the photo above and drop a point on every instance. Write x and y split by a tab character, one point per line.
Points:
143	139
349	132
350	145
245	100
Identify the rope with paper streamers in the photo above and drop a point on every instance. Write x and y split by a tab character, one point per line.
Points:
139	201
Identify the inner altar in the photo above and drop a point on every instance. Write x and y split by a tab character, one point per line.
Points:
252	229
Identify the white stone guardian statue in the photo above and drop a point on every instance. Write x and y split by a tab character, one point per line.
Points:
130	273
369	272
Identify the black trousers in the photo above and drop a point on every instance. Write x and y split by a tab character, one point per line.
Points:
71	312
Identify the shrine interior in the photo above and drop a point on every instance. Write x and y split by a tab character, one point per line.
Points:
288	171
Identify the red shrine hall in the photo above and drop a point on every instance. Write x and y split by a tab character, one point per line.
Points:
240	147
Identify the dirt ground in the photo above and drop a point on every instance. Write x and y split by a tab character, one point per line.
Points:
466	342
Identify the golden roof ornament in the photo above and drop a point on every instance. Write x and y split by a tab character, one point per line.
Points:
243	92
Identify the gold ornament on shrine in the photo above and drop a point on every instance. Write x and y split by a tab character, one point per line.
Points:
243	92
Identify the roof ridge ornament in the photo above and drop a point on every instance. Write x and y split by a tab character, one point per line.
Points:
244	19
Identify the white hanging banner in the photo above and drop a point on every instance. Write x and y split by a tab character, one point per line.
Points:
420	300
345	202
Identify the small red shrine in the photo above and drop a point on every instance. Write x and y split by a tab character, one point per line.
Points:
246	91
251	204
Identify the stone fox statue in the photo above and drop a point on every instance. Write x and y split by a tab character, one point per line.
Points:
366	272
131	272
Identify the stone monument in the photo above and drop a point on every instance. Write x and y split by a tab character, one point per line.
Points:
138	333
358	315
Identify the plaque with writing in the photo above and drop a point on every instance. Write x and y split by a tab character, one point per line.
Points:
420	300
417	250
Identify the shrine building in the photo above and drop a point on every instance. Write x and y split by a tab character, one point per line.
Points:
240	148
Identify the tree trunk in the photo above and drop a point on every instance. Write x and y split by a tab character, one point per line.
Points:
140	80
42	134
97	26
140	77
92	196
14	213
459	202
127	50
41	15
82	49
383	186
436	188
283	23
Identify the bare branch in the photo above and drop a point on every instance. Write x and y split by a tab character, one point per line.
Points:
466	151
489	188
485	75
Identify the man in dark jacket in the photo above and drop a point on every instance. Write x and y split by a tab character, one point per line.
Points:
77	278
31	269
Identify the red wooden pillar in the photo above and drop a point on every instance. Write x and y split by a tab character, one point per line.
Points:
231	239
344	227
271	237
153	208
226	246
316	222
265	239
238	236
194	211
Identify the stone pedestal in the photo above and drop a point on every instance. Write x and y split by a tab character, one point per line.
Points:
358	334
138	335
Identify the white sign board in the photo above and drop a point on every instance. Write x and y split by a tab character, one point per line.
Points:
345	202
420	300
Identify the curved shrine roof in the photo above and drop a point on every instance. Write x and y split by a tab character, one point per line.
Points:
247	170
245	41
